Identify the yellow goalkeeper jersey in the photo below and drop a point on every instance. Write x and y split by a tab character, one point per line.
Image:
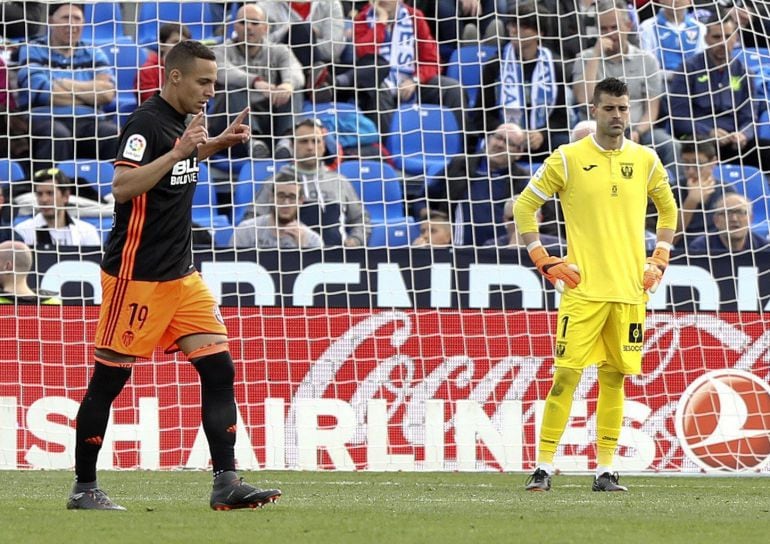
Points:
604	195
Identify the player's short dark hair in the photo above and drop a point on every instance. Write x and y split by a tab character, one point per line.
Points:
611	86
702	147
184	53
59	179
167	29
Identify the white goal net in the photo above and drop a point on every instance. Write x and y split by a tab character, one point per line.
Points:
418	336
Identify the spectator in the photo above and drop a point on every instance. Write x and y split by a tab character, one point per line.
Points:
614	56
281	226
6	229
531	91
14	130
313	29
453	21
53	225
562	24
329	198
67	85
732	219
673	35
512	238
713	99
15	265
475	188
256	73
435	231
582	129
751	16
151	75
399	36
700	193
22	21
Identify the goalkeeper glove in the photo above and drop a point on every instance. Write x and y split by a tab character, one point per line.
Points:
655	267
554	269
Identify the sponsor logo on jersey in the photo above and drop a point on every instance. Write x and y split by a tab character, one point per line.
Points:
627	170
561	349
590	167
635	333
614	189
723	421
185	172
135	147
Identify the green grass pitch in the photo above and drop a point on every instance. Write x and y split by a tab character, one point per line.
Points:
320	507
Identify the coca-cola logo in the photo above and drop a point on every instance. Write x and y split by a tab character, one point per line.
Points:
723	421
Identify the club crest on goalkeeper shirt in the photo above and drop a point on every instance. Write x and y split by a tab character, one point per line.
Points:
627	170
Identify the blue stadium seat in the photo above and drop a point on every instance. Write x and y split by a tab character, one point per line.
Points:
466	65
250	179
11	171
196	16
756	59
379	186
380	189
205	213
102	224
393	234
97	173
103	23
750	182
423	139
127	57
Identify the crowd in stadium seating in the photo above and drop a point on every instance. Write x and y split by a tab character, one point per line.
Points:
458	102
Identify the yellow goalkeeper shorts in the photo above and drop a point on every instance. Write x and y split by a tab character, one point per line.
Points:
589	333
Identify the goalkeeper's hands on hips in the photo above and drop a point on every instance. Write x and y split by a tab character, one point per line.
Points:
655	267
555	270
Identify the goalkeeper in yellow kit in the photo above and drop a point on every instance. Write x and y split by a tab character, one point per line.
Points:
603	182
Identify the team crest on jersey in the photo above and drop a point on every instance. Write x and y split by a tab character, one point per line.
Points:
627	170
218	315
128	338
561	349
135	147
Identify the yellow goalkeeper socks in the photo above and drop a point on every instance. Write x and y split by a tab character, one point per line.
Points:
558	406
609	414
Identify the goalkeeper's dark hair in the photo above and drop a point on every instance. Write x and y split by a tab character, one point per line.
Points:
184	53
611	86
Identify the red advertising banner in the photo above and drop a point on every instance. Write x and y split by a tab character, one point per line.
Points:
392	390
